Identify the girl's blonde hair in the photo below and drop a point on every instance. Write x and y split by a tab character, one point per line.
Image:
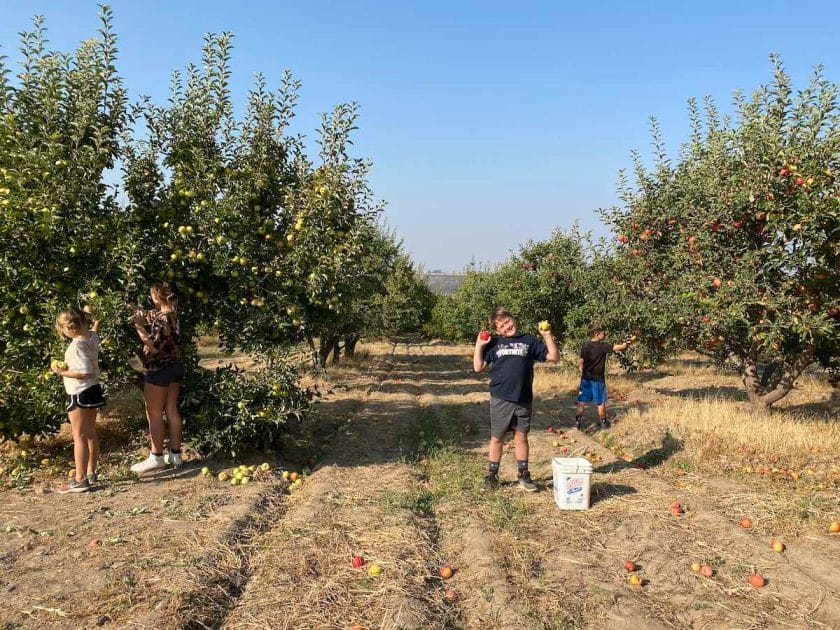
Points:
72	319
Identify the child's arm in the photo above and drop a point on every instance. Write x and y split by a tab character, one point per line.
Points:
95	326
68	373
478	355
624	345
580	365
553	354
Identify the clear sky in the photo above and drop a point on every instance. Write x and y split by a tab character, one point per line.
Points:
488	122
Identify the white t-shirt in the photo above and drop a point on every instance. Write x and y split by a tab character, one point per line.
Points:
82	355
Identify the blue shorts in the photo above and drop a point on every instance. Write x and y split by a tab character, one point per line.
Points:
592	391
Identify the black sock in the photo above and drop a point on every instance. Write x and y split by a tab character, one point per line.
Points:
175	451
522	466
577	418
494	468
157	454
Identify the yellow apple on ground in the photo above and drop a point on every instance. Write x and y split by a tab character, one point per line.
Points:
205	471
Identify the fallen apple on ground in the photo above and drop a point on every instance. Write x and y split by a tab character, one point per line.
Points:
374	570
746	522
756	580
357	562
446	572
630	566
777	545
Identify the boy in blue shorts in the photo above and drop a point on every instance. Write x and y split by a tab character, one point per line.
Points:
511	355
592	361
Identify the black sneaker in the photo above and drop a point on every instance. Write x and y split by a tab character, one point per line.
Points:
491	482
74	486
605	423
526	483
577	424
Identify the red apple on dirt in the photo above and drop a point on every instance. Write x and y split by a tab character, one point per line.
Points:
716	282
834	527
677	510
784	171
630	566
706	570
746	522
756	580
357	562
799	181
446	572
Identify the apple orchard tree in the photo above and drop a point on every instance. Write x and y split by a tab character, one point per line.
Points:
734	249
267	247
60	122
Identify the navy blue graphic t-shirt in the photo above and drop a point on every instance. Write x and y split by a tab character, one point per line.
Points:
512	366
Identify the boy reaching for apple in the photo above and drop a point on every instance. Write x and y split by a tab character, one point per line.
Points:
592	361
511	357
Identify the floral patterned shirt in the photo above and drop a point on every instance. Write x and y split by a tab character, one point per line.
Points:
164	337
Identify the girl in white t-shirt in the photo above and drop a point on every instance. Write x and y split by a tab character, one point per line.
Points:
80	372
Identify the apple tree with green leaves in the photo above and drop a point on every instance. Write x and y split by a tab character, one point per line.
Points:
733	249
542	281
61	117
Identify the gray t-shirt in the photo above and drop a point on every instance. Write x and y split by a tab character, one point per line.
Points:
82	355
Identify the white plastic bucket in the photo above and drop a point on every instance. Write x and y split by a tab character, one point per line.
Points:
572	479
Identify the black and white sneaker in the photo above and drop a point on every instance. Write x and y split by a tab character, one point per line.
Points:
526	483
491	482
605	423
74	486
577	423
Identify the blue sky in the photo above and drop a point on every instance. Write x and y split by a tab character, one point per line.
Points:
488	123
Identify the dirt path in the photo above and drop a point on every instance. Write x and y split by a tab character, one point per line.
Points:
398	483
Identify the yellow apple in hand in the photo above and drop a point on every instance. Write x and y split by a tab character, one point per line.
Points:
544	325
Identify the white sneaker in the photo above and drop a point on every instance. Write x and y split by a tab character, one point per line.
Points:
152	462
173	459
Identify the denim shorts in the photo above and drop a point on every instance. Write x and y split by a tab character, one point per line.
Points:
508	416
592	391
172	373
91	398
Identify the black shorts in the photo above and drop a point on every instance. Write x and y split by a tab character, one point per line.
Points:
172	373
91	398
508	416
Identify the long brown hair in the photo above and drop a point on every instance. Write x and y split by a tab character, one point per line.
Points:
169	294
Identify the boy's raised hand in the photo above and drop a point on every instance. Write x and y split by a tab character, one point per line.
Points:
483	339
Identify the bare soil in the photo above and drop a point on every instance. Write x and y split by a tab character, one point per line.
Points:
400	447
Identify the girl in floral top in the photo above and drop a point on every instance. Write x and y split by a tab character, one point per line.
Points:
164	371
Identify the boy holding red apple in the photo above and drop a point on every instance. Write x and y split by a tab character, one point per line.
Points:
511	357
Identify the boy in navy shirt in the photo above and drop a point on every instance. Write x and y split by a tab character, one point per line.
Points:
593	359
511	356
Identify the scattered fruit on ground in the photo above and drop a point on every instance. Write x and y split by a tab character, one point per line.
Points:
756	580
205	471
706	570
630	566
695	566
285	474
446	572
450	594
265	467
746	522
374	570
634	580
357	562
223	476
94	543
834	527
777	545
293	476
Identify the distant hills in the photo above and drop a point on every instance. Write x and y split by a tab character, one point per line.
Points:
443	283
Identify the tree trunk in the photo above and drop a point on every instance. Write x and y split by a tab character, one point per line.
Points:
336	351
350	346
327	345
763	393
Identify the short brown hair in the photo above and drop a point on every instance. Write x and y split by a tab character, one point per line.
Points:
499	313
595	329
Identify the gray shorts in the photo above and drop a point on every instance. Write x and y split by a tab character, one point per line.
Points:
508	416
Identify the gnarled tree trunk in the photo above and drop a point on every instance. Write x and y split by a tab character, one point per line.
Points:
765	391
